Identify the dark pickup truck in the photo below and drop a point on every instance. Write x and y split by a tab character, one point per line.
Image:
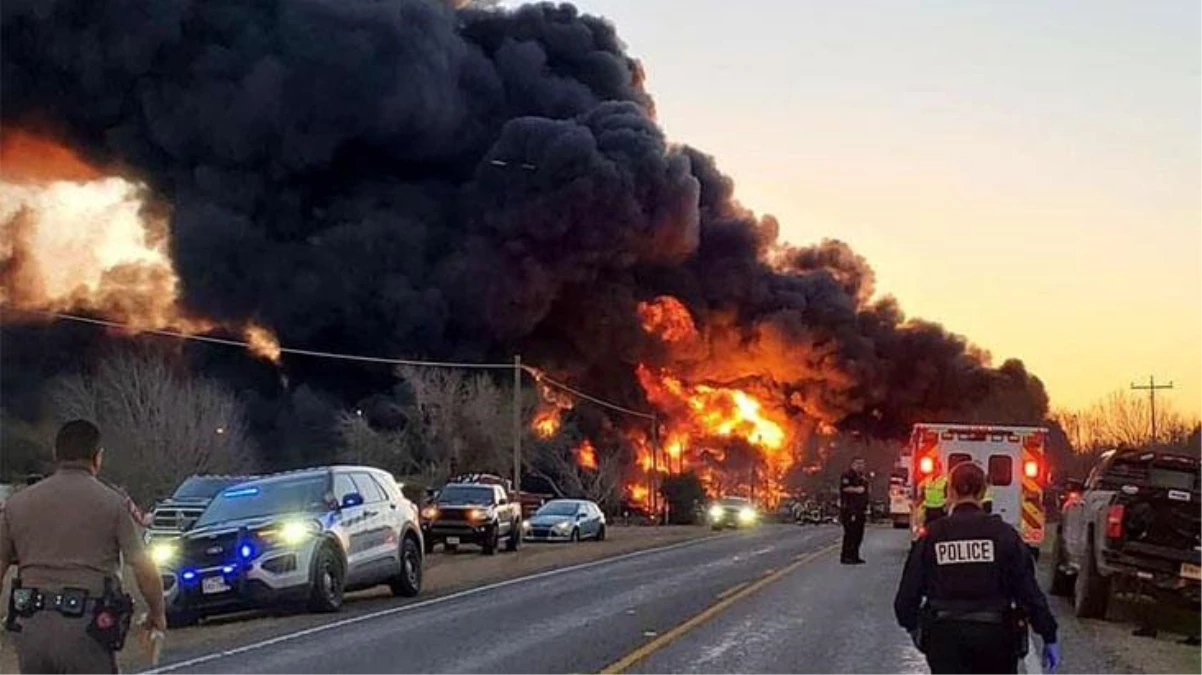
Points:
1133	524
472	513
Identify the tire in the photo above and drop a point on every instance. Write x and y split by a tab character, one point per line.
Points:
408	581
182	618
491	539
328	582
1092	590
514	541
575	535
601	534
1062	582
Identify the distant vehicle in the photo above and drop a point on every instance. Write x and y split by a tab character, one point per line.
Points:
1135	523
566	520
900	503
177	513
472	513
1013	461
733	512
304	536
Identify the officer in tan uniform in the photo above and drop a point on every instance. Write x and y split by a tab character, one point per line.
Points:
66	536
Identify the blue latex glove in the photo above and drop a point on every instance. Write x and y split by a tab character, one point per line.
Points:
1051	656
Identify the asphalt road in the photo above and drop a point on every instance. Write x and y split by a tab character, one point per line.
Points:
577	619
774	599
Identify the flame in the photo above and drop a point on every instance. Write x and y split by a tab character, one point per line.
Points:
546	423
76	239
586	455
667	318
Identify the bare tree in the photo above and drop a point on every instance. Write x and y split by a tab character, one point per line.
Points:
391	450
601	484
158	425
1123	418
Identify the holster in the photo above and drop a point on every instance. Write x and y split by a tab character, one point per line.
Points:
21	603
112	614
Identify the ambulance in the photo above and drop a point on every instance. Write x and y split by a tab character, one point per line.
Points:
1012	457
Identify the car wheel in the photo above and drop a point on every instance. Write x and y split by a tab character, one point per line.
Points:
515	537
182	618
601	534
575	535
329	578
1092	590
1062	581
491	539
408	581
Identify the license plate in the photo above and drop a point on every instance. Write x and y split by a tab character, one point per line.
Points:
453	541
214	585
1191	571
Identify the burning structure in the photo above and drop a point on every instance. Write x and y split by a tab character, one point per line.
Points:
403	177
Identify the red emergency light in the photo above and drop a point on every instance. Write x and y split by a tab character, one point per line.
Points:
926	465
1031	468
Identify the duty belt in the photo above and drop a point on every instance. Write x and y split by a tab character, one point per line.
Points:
970	617
71	602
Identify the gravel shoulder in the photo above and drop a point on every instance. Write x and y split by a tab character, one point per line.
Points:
444	573
1092	645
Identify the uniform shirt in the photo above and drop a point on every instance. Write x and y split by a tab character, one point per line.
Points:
971	561
850	501
69	530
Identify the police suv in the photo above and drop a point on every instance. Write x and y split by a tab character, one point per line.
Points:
302	536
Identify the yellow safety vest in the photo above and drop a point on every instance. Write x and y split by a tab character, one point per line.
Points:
934	492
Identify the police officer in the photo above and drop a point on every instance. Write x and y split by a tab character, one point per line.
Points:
934	495
66	535
963	583
853	503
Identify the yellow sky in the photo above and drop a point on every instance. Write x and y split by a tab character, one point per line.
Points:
1026	174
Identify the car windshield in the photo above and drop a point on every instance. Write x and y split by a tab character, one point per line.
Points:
203	487
266	498
466	494
734	501
557	509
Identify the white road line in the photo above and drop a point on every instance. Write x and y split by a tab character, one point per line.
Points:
418	605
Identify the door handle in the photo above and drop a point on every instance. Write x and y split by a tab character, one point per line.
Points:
369	514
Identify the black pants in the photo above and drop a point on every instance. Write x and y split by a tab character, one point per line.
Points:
853	534
965	647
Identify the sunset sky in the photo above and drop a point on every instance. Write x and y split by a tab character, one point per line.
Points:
1025	173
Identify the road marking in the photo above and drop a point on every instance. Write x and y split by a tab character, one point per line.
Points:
732	589
768	572
708	613
420	604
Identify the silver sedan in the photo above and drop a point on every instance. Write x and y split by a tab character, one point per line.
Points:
566	520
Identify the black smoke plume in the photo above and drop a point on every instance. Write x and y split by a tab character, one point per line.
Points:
398	177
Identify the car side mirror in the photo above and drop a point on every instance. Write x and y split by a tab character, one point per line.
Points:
581	516
352	499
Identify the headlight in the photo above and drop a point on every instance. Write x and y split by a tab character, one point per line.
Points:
563	526
479	514
164	552
430	512
716	512
294	532
525	524
747	514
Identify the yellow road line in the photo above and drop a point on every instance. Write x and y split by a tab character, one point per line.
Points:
733	595
732	589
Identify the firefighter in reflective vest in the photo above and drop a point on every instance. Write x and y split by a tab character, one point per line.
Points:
934	495
969	589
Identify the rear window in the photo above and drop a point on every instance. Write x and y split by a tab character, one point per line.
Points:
1173	479
957	458
1175	476
1001	470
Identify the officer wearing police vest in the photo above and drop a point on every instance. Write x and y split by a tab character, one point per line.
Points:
968	586
66	536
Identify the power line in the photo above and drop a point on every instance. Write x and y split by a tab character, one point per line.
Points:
1151	387
538	375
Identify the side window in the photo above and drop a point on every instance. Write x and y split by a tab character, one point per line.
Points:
368	488
957	458
1001	470
342	486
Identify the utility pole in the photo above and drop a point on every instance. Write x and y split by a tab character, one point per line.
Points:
517	424
655	467
1151	387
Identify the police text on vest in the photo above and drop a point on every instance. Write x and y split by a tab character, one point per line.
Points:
964	551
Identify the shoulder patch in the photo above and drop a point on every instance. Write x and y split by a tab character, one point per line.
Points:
962	551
